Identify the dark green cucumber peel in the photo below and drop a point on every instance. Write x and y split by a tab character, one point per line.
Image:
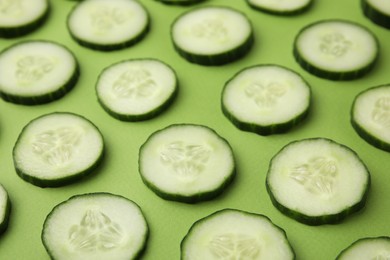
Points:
281	13
375	15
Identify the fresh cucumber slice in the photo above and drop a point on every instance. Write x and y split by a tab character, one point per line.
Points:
317	181
280	7
236	234
212	35
36	72
108	25
180	2
336	49
266	99
138	89
370	116
20	17
377	248
5	209
187	163
378	11
56	149
95	226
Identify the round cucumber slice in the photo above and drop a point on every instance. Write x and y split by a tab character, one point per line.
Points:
266	99
336	49
135	90
5	209
187	163
212	35
317	181
367	248
57	149
370	116
96	226
36	72
289	7
377	11
236	234
20	17
108	25
180	2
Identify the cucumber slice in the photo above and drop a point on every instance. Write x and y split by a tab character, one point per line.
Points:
370	116
236	234
280	7
212	35
317	181
180	2
20	17
5	209
187	163
107	25
336	49
36	72
138	89
377	248
57	149
96	226
378	11
266	99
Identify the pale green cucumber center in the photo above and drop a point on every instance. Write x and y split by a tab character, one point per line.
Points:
380	5
15	13
3	203
280	5
372	249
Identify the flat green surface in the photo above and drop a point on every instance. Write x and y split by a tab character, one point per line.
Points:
199	102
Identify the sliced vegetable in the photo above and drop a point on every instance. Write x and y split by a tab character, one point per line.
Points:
236	234
108	25
266	99
138	89
367	248
95	226
20	17
5	209
280	7
378	11
57	149
36	72
317	181
180	2
187	163
336	49
212	35
370	116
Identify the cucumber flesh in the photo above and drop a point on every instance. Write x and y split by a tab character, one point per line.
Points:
57	149
280	7
95	226
20	17
5	209
187	163
235	234
377	248
36	72
212	35
377	11
370	116
336	49
180	2
108	25
135	90
266	99
317	181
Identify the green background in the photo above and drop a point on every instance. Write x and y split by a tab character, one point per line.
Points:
199	102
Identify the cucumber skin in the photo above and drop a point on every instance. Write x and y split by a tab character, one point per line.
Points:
375	15
180	3
138	254
334	75
54	183
281	13
18	31
340	255
4	224
190	199
324	219
113	46
364	134
48	97
183	242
